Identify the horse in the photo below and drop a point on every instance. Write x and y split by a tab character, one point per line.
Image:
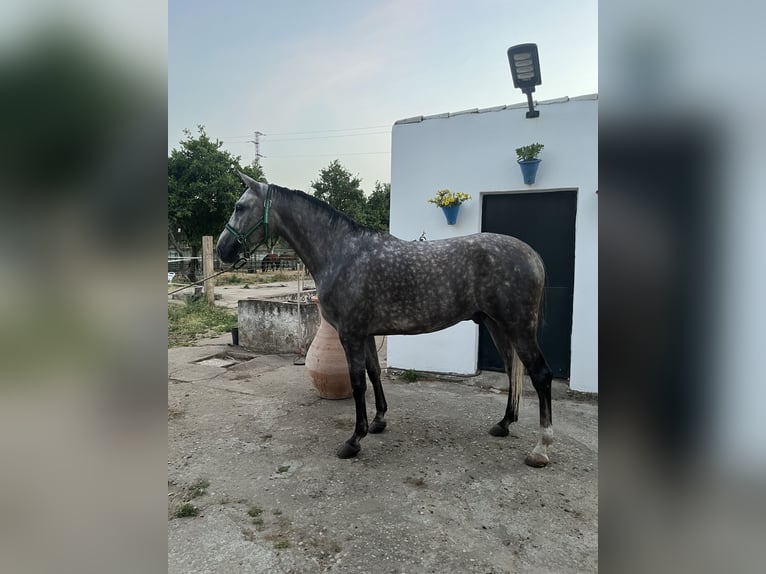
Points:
288	261
270	261
371	283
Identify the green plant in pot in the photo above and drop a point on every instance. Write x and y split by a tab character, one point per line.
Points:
529	161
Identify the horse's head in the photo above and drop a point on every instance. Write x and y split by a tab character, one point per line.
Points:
248	225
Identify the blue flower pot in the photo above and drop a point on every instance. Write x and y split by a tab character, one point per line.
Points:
451	213
529	170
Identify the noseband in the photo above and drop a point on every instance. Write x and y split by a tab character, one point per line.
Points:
242	237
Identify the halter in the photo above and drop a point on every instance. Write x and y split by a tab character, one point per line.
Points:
242	237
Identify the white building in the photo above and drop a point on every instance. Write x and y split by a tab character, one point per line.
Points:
474	152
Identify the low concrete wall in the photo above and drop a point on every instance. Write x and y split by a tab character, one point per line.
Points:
269	326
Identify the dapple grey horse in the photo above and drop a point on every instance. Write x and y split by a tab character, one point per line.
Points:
371	283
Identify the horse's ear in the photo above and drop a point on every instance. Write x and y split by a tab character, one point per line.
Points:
248	181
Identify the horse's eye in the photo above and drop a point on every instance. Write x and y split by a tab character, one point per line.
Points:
239	208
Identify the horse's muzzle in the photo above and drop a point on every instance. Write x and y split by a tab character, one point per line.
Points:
227	249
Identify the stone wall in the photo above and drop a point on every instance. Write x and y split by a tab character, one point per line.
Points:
269	326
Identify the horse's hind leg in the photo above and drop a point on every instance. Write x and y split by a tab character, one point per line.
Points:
525	345
373	371
541	375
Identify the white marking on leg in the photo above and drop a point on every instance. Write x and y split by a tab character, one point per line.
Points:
545	440
546	435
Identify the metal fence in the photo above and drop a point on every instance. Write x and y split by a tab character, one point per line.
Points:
259	261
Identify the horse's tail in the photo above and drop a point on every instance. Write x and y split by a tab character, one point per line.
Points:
543	300
517	368
542	306
517	381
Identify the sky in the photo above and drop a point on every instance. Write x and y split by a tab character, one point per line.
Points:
327	80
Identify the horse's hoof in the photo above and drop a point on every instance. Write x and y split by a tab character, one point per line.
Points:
377	427
348	450
537	460
498	430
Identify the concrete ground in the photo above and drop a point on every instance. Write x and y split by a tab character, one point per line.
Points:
433	493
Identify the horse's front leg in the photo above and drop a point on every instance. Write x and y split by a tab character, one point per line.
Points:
355	355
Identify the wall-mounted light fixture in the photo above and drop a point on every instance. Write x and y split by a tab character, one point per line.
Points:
525	69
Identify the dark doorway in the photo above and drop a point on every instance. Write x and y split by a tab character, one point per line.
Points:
546	221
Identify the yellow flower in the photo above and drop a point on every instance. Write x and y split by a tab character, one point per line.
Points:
445	198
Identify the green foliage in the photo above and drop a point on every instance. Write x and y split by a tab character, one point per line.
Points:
529	152
378	207
186	510
276	277
187	322
203	186
409	376
232	279
235	278
340	189
255	171
198	488
445	198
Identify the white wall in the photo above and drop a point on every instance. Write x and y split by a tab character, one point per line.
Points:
475	153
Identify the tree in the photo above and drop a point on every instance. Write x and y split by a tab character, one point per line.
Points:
340	189
203	187
255	171
377	209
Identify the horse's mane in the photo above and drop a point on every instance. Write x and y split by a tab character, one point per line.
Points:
336	218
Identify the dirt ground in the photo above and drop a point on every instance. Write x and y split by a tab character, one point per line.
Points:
251	446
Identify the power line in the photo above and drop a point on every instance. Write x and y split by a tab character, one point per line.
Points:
283	140
331	154
259	134
328	131
312	132
325	137
311	155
